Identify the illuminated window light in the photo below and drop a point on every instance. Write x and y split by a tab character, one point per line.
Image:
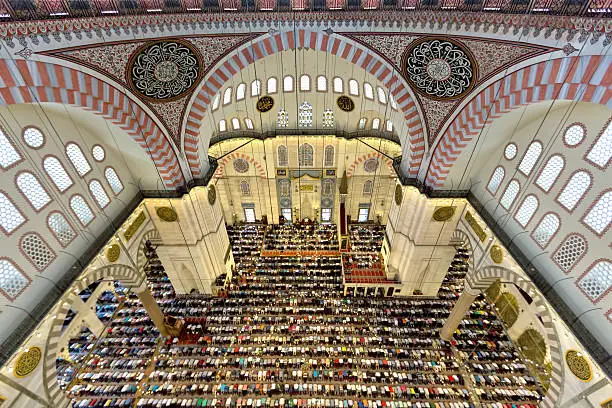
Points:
60	13
153	10
194	9
110	11
4	15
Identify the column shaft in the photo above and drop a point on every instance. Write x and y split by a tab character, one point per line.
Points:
458	313
152	308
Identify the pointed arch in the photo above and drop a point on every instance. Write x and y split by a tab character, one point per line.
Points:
388	162
220	172
571	78
27	81
141	259
338	45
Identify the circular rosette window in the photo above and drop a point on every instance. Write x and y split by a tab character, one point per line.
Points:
164	70
440	68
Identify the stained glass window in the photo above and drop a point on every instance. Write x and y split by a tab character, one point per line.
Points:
282	119
531	157
113	180
10	217
601	152
36	250
245	189
305	115
574	190
496	180
282	156
328	118
56	172
600	216
8	154
545	230
285	188
597	280
338	85
32	190
526	210
306	155
61	229
328	187
569	252
98	193
329	156
321	83
81	209
77	158
510	194
367	187
550	173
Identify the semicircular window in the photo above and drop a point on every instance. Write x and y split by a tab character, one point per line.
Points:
241	166
370	165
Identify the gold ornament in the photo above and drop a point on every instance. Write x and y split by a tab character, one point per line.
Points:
212	195
607	403
131	230
399	194
475	226
265	103
112	253
497	254
27	362
578	365
443	213
345	103
166	214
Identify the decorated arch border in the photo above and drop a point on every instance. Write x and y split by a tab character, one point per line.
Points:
26	81
360	160
141	259
461	236
484	277
585	78
342	47
220	172
127	275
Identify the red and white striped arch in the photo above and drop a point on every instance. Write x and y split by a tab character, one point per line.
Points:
220	172
585	78
342	47
25	81
360	160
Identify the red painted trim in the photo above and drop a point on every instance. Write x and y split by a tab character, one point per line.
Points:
109	184
69	142
532	215
41	186
588	210
583	194
583	137
44	142
536	160
542	170
63	167
103	149
586	249
553	234
515	154
603	129
29	258
22	273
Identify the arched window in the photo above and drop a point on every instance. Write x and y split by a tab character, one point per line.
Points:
77	158
375	123
8	154
328	118
546	229
227	96
248	123
235	123
285	188
389	126
113	180
526	210
33	137
601	152
98	153
531	157
549	174
353	87
321	83
305	115
282	119
60	228
32	190
338	85
512	190
272	87
57	173
569	252
382	96
222	125
12	280
392	101
362	123
368	92
282	156
10	217
306	155
496	179
574	190
216	101
245	189
329	156
256	87
510	151
574	134
81	209
304	83
98	193
598	280
36	250
599	217
367	187
288	83
240	92
328	187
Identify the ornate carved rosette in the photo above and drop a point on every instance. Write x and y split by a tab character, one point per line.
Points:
443	213
164	70
399	194
440	68
27	362
265	103
370	165
241	166
112	253
497	254
578	365
212	195
345	103
166	214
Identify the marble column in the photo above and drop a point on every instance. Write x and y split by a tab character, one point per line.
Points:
153	310
458	313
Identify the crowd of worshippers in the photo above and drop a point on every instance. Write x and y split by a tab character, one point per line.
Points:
301	237
366	237
285	336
